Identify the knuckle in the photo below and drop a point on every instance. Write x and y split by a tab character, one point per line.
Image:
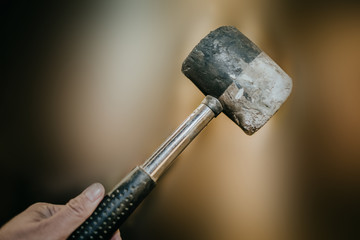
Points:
77	207
39	207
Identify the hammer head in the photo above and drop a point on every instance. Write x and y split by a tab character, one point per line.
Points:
250	86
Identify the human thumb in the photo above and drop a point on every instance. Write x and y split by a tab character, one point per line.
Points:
76	211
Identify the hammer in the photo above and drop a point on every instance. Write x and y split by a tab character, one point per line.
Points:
238	79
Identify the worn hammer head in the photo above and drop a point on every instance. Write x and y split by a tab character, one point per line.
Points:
250	86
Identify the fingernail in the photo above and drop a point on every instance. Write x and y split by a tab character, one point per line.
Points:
94	191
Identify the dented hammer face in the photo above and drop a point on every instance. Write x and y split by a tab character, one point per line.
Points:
250	86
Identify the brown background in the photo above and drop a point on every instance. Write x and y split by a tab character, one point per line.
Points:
91	88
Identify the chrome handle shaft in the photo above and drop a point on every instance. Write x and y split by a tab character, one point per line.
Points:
162	158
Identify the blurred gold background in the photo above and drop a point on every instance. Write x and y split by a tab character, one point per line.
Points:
91	88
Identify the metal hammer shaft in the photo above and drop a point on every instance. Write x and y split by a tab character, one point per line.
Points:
182	136
128	194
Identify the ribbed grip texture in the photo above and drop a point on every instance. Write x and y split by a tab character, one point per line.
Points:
116	207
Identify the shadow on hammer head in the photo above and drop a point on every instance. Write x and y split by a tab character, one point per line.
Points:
250	86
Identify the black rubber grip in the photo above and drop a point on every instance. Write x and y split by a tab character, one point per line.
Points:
116	207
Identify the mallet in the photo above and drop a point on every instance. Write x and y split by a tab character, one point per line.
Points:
238	79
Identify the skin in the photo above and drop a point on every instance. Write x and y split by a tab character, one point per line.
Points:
54	222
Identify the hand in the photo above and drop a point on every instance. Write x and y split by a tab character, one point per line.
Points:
56	222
